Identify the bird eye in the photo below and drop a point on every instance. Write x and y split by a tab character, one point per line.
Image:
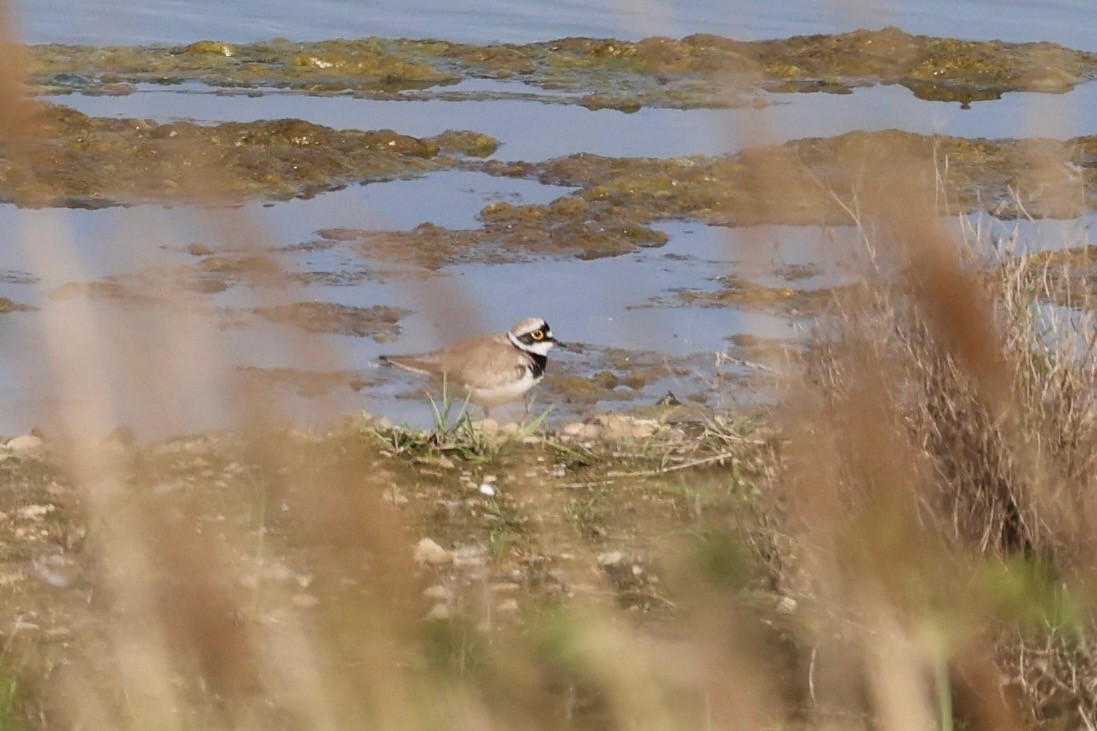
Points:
537	334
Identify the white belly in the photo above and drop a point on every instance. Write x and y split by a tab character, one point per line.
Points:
502	394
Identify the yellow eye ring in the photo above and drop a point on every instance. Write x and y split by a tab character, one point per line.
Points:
537	335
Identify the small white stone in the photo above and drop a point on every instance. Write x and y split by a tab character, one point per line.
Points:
25	445
619	427
393	496
429	552
438	612
437	592
610	558
35	511
486	489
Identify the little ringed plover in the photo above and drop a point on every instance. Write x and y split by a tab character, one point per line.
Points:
494	368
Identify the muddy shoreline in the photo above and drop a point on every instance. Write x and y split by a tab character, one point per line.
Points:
695	71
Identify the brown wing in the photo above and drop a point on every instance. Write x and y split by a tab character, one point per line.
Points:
486	362
481	362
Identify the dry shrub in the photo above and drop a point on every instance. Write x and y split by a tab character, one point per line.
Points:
938	480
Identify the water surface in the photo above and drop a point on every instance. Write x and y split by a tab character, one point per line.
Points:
628	302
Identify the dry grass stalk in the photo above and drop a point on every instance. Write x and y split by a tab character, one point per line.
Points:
942	422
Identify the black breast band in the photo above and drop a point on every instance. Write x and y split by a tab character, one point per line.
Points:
537	364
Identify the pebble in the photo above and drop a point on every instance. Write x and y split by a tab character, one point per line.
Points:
573	429
618	427
437	592
26	445
487	488
488	426
579	430
393	496
615	427
35	511
610	558
438	612
430	553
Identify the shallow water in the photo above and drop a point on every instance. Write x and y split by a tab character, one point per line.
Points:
630	302
533	131
571	293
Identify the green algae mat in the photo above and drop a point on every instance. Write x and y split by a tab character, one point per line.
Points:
696	71
91	162
82	161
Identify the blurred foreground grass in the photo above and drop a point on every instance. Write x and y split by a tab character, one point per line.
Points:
905	540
